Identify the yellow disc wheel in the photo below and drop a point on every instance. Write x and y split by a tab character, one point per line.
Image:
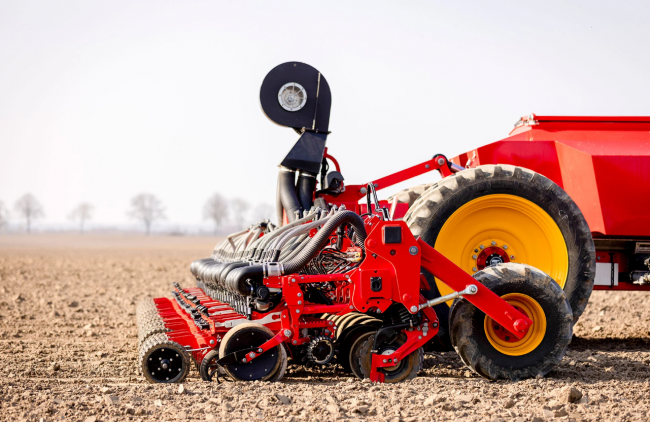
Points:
503	228
503	341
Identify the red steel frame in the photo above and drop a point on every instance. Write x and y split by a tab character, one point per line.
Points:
398	266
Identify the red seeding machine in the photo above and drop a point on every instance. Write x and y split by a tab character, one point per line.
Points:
496	260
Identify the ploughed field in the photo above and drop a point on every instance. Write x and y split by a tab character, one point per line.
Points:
68	347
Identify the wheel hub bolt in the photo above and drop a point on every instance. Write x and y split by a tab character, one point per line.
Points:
475	269
512	257
505	246
494	243
473	256
481	247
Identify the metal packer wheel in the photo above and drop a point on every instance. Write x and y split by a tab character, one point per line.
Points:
163	360
246	336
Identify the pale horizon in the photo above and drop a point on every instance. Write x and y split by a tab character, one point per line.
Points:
101	101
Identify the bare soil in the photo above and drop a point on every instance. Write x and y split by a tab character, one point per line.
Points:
68	347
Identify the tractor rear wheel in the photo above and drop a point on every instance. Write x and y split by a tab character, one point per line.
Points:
494	214
493	352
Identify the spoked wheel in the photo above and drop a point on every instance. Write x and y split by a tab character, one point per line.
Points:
492	351
406	369
163	360
252	335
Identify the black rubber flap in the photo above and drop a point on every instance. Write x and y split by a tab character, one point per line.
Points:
307	153
315	114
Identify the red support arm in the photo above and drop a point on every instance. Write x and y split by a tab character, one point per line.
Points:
486	300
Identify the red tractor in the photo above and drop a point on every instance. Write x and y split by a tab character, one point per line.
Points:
495	260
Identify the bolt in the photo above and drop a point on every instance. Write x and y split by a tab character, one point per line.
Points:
351	307
347	276
259	350
476	250
331	323
512	257
473	256
413	250
251	354
363	191
474	269
481	247
493	243
300	302
414	308
441	161
211	342
287	333
299	294
419	337
297	311
295	342
385	361
376	185
293	280
426	166
472	289
395	360
505	246
244	360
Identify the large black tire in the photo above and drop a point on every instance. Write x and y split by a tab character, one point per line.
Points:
469	338
409	195
436	205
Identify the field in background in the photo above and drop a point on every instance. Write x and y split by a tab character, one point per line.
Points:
68	346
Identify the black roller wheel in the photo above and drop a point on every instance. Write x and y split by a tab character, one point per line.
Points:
495	214
404	370
354	362
208	368
246	336
493	352
163	360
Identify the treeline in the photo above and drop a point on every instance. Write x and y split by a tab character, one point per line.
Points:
145	208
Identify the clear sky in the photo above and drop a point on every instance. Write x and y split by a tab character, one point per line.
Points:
102	100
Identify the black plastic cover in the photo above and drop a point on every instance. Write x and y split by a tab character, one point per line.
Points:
315	115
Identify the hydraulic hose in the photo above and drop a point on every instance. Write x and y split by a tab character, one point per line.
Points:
287	186
279	209
319	241
306	187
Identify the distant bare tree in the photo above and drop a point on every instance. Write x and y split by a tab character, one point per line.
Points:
147	208
263	212
4	215
216	209
239	209
82	213
30	209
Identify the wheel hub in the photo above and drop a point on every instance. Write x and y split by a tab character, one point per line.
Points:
164	364
491	252
504	341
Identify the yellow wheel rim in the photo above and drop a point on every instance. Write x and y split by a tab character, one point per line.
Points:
504	341
511	228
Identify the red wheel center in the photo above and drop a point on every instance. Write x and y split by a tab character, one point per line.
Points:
504	334
491	256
